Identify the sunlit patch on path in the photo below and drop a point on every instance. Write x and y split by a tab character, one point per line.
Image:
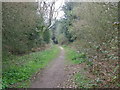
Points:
61	48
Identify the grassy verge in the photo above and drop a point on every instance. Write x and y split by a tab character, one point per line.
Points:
21	68
80	78
74	57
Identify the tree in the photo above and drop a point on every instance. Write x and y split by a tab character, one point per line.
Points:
93	28
19	22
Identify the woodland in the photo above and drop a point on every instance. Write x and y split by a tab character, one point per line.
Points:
88	32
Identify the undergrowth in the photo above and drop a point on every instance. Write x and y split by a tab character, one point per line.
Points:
75	57
21	68
83	81
101	80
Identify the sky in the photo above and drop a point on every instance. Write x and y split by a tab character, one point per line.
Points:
57	5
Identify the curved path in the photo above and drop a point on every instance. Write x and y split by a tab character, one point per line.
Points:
53	74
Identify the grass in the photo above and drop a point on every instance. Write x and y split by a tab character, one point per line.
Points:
80	78
73	56
21	68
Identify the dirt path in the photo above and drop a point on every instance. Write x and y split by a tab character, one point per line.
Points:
52	75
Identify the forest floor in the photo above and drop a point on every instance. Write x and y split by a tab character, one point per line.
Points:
56	67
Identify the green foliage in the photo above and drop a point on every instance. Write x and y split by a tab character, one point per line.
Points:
95	26
23	28
46	36
21	68
19	22
74	57
62	32
77	57
62	39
